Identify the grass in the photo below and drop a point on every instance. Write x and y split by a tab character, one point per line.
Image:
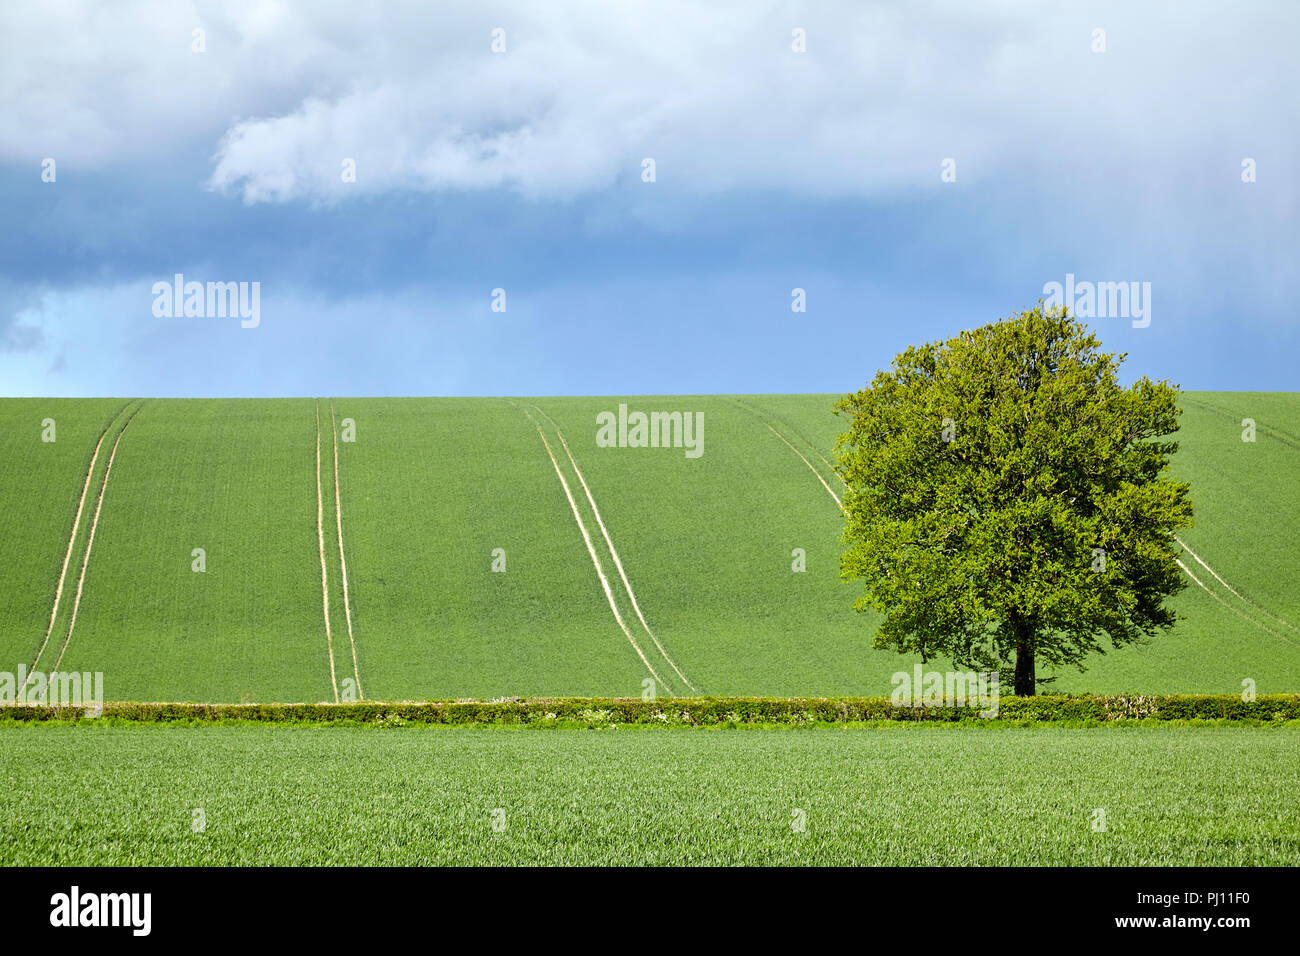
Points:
236	478
40	484
430	489
432	486
707	544
310	795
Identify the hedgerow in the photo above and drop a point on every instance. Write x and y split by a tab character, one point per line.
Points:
689	712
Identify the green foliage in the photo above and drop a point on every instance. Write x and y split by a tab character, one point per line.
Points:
687	712
1008	501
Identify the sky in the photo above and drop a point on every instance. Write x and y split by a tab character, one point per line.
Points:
455	199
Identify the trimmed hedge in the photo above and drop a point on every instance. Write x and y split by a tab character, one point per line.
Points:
692	711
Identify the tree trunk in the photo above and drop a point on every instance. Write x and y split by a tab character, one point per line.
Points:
1025	682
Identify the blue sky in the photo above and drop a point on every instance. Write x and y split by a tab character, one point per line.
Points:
521	169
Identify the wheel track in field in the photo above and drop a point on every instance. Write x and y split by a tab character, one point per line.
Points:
343	562
1272	430
90	541
1251	606
1285	438
762	418
627	586
836	498
595	559
769	417
72	538
324	576
1235	610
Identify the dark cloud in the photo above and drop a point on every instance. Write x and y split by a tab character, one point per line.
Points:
1121	166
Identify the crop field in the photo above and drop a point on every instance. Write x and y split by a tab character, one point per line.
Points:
492	548
318	795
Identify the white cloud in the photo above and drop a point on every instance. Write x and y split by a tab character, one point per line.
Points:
587	89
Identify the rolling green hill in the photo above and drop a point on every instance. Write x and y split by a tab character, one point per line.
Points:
694	589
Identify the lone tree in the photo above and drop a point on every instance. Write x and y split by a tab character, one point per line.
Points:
1007	498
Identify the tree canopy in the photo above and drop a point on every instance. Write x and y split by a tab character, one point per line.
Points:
1009	501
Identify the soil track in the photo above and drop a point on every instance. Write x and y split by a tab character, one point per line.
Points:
90	542
343	561
72	539
324	577
595	559
627	586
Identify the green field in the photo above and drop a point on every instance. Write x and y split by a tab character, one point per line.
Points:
315	795
431	487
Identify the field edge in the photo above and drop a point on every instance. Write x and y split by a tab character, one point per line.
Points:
684	712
